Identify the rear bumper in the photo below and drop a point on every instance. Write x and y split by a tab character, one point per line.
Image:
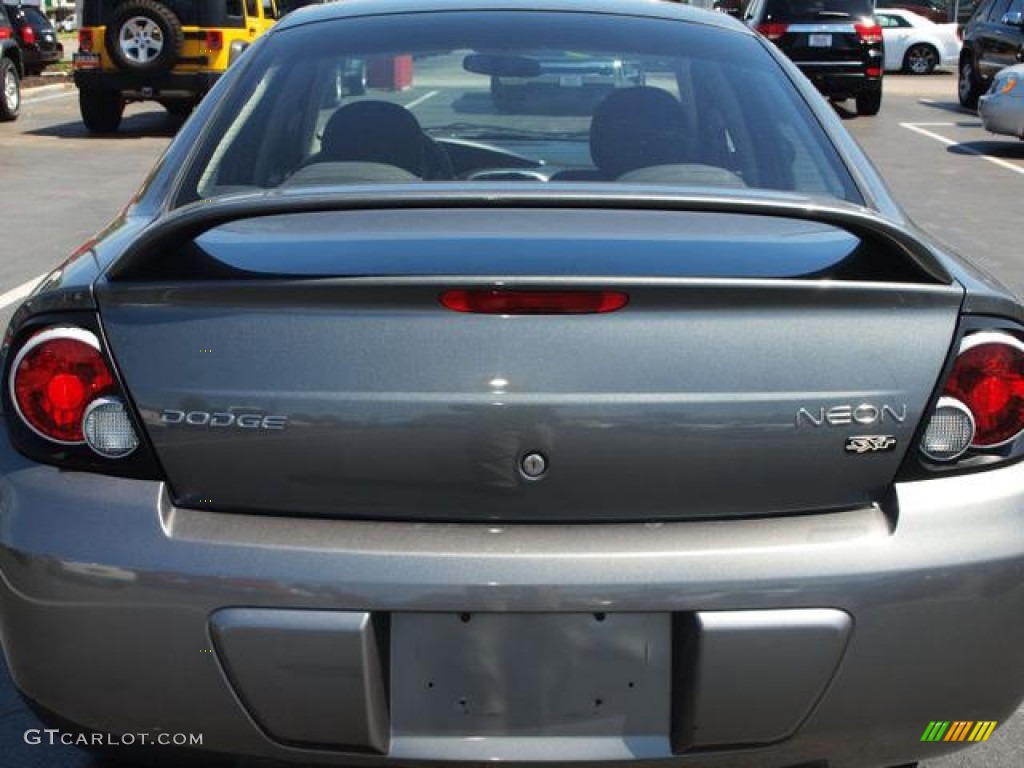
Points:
748	643
34	57
839	84
140	87
1002	113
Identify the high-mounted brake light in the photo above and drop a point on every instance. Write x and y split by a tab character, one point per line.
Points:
55	377
983	400
868	31
490	302
772	31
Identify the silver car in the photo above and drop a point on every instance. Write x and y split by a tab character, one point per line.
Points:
411	429
1002	107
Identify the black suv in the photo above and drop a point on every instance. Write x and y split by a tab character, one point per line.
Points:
36	36
836	43
10	70
993	39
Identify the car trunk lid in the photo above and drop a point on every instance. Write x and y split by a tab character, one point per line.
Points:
306	364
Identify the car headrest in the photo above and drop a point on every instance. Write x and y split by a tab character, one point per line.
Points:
636	128
374	132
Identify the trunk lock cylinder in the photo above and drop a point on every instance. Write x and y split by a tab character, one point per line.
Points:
533	465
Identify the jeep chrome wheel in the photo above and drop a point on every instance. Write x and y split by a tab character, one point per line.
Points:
141	40
144	36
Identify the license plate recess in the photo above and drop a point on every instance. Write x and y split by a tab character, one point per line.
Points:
526	675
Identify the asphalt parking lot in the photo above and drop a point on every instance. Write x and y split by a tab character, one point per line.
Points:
958	182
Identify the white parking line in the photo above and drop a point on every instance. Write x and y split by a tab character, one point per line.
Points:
19	293
416	102
916	128
51	97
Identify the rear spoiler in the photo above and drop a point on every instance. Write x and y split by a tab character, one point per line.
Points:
167	234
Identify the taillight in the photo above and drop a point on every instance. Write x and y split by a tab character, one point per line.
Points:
873	71
63	403
28	35
5	33
988	377
490	302
982	406
868	31
772	31
85	40
55	377
214	40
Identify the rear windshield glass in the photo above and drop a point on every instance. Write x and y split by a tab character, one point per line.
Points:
797	10
497	96
30	15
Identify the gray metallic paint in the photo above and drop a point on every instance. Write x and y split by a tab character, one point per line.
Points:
96	572
387	420
931	581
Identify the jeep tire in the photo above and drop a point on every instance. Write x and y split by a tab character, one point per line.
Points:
144	36
101	110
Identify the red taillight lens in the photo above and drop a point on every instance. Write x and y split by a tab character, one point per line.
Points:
873	71
214	40
772	31
54	378
534	302
988	377
5	33
28	35
85	40
868	32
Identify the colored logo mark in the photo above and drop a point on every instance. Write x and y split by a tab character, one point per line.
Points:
959	730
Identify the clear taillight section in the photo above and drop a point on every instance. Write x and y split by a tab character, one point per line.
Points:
982	404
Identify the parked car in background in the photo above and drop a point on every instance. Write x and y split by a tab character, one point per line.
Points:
935	10
993	39
915	44
10	70
68	24
837	44
36	36
1002	107
169	51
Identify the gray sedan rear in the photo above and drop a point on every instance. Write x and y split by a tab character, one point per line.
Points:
633	423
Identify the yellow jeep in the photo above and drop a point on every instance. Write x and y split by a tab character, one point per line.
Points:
170	51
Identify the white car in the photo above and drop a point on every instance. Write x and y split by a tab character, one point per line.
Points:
915	44
1002	108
